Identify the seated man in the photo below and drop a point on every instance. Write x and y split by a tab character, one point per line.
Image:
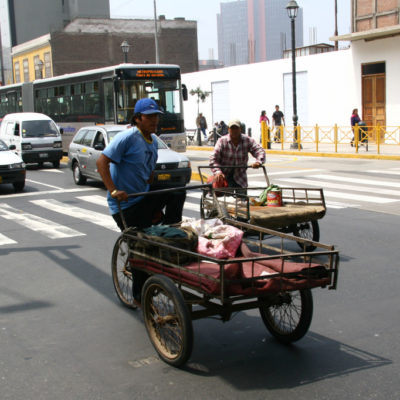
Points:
231	150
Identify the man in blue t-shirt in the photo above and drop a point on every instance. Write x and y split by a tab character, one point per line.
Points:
127	165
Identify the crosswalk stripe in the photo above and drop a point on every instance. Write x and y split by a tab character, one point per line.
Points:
47	192
5	240
386	172
106	221
356	180
44	226
354	188
95	199
191	206
44	184
302	171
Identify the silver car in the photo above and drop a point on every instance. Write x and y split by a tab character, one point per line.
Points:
172	169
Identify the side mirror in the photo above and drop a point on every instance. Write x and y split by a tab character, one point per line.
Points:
184	92
12	147
99	147
61	131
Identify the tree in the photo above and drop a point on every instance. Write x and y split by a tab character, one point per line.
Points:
201	95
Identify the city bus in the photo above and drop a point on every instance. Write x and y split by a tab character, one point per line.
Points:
103	96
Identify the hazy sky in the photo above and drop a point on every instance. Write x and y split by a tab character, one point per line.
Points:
316	13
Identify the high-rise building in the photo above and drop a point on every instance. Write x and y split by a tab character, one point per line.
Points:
22	21
255	30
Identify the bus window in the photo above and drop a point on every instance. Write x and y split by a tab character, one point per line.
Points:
108	101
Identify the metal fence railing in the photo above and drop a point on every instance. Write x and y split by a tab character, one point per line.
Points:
334	139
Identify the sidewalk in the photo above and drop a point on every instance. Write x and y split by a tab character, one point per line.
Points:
386	151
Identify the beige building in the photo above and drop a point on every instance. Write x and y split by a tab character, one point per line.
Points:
89	43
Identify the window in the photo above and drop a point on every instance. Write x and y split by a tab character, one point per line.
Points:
87	140
79	136
17	72
38	72
25	64
47	65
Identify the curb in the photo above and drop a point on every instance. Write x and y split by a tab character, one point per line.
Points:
314	154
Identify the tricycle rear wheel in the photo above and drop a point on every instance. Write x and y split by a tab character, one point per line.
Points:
122	272
288	315
307	230
167	320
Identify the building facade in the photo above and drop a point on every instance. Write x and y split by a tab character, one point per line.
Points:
255	30
373	22
88	43
22	21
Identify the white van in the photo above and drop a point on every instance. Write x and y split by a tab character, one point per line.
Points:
36	137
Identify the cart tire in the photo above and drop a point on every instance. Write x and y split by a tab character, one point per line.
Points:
290	320
167	319
307	230
205	213
122	273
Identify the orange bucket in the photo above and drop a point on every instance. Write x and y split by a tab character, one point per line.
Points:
274	198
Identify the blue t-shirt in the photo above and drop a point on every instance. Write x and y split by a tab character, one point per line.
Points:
134	159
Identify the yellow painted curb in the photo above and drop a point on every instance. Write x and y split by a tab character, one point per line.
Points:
196	177
335	155
314	154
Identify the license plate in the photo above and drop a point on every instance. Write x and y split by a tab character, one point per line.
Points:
43	155
164	177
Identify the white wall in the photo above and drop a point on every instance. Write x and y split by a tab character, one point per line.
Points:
255	87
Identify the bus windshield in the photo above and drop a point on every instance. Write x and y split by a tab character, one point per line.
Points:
165	92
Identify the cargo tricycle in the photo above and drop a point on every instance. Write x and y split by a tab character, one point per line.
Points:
298	213
184	285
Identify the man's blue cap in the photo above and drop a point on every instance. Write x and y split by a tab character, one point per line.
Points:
147	106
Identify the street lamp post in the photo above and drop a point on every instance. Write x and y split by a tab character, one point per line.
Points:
292	9
125	49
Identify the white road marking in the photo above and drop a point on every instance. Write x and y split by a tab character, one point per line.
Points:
298	171
386	172
44	184
5	240
356	180
95	199
340	186
47	192
191	207
44	226
56	170
104	220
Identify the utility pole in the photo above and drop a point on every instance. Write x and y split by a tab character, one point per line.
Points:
155	33
336	30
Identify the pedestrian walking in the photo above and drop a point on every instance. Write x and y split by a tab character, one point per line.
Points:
201	123
278	120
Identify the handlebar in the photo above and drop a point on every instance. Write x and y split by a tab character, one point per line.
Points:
200	167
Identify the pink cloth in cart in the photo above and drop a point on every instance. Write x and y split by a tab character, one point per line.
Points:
221	242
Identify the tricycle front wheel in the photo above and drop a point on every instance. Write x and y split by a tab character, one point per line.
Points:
288	315
167	320
307	230
122	272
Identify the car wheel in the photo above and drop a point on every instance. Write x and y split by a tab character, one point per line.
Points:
79	179
19	186
56	164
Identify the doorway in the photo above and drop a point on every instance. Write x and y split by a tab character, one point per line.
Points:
374	98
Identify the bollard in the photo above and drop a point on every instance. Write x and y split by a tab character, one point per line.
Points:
199	137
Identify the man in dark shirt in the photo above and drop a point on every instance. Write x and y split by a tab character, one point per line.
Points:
277	118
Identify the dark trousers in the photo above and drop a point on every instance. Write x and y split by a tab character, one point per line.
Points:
140	215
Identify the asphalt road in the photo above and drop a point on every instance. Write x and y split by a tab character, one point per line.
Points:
64	335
